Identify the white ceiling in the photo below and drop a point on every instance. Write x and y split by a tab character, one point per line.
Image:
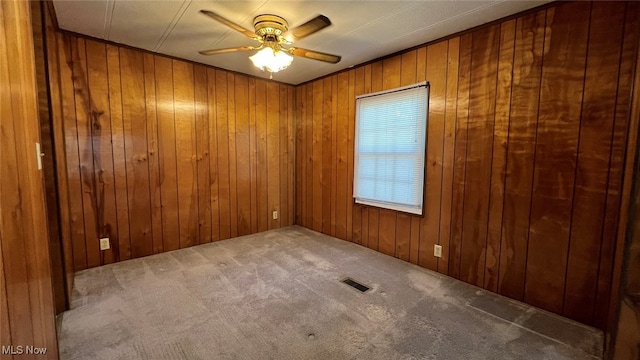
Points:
361	30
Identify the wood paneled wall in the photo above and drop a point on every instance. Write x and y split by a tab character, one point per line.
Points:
163	154
26	296
527	133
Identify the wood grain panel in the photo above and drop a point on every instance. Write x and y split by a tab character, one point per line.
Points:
618	146
448	152
327	156
261	133
27	305
273	159
283	213
202	153
189	154
561	98
311	144
85	151
137	158
122	247
243	170
334	153
253	157
482	94
596	127
222	133
187	172
343	201
460	157
233	166
525	89
499	158
414	245
167	153
317	155
214	178
510	140
300	155
100	123
152	148
57	134
436	75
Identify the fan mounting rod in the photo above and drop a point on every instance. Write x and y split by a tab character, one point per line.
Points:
268	24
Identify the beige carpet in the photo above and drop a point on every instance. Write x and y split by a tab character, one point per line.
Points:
278	295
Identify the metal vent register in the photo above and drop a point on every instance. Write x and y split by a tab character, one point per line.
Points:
356	285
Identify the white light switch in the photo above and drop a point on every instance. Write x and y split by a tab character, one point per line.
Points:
39	155
275	215
104	244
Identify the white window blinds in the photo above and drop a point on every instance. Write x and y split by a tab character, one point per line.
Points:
389	148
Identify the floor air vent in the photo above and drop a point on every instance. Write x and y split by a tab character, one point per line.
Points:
356	285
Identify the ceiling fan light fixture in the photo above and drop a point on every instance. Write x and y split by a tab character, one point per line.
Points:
271	60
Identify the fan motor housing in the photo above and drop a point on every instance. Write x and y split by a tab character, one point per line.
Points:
268	24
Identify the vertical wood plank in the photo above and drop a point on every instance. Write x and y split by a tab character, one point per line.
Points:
253	155
168	160
22	207
137	159
334	154
273	149
214	176
414	242
243	170
460	156
327	154
233	167
353	90
222	127
448	152
343	201
283	143
152	148
317	156
498	163
484	65
525	90
261	133
85	151
310	157
436	74
301	143
556	149
356	210
596	127
291	159
202	153
100	118
616	165
122	247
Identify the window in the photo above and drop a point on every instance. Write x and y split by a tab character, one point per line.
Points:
389	148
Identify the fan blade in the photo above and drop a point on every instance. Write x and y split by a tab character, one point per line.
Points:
314	55
314	25
246	32
227	50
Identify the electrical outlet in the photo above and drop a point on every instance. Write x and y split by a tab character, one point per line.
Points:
275	215
437	250
104	244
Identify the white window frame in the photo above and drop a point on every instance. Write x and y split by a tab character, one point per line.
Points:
417	209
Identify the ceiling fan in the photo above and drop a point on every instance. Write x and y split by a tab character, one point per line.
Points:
273	33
